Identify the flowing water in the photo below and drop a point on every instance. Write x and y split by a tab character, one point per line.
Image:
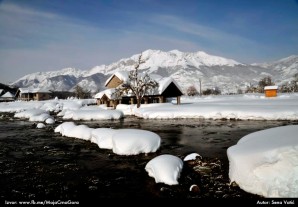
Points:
38	164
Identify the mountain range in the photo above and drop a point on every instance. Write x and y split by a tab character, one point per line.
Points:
186	68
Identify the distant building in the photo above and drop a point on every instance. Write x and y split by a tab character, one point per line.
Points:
7	97
36	94
270	91
168	88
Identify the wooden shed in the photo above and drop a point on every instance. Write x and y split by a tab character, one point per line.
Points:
270	91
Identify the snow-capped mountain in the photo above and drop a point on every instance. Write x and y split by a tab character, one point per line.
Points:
186	68
286	67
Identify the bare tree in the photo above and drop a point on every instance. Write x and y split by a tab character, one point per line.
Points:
81	93
291	86
265	82
138	85
192	91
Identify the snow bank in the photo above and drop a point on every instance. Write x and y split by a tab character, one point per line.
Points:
91	114
121	141
18	106
41	117
266	162
38	115
242	107
165	169
29	113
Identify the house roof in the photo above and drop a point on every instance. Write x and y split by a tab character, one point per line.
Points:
122	75
163	82
1	90
33	90
7	95
270	87
108	92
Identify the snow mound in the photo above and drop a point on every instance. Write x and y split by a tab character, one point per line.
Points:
103	137
64	128
266	162
135	141
192	156
37	115
40	125
121	141
50	120
29	113
165	169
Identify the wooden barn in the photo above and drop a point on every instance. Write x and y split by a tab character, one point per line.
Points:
106	97
270	91
35	94
168	89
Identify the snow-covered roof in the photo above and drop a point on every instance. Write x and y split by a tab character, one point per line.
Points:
108	92
1	90
122	75
7	95
271	88
33	90
163	82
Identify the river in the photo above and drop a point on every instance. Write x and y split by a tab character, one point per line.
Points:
38	164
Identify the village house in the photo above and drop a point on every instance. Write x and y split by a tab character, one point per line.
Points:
35	94
7	97
107	97
167	89
270	91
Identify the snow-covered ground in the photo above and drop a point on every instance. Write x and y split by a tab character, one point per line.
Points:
54	105
243	107
266	162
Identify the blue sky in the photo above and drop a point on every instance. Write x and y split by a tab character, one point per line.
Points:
45	35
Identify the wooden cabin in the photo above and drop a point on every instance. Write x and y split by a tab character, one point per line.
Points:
7	97
35	94
270	91
106	97
168	89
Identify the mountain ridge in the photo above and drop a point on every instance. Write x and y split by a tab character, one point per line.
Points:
185	67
